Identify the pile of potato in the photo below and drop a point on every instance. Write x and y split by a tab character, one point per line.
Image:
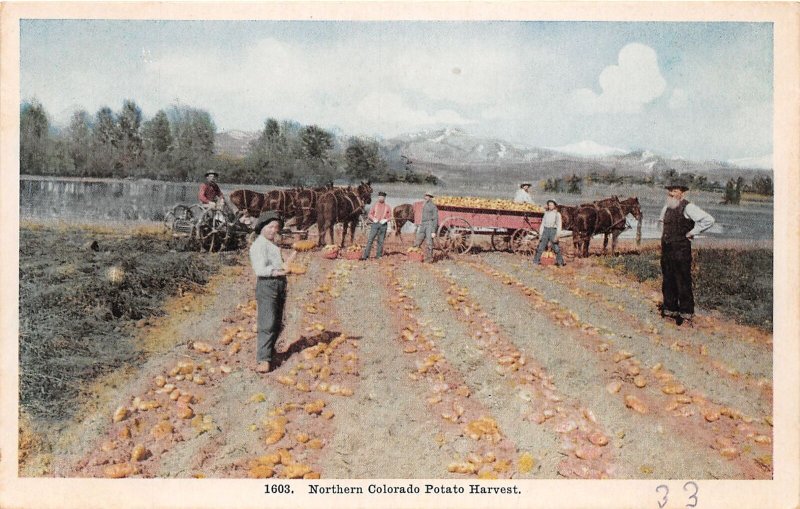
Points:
486	203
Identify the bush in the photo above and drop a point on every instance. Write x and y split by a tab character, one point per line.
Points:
736	282
76	312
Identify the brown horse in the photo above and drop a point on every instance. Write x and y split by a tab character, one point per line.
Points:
250	202
306	206
583	228
608	218
253	203
625	207
342	205
402	215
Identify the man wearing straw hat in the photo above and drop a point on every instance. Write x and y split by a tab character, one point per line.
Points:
428	225
680	221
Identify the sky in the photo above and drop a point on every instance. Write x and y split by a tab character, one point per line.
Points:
694	90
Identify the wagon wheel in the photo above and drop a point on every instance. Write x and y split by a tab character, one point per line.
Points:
501	240
212	231
457	233
178	213
524	241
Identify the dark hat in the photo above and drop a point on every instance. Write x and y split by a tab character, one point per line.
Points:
266	218
553	202
381	193
677	183
525	184
212	173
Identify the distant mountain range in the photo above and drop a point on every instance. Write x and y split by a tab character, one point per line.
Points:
455	150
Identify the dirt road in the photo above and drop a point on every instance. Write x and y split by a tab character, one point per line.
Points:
477	366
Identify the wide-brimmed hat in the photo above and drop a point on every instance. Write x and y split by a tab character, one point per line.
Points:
266	218
212	173
381	193
677	183
429	193
525	184
552	201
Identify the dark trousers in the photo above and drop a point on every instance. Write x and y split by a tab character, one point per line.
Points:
676	284
424	235
271	298
376	230
548	235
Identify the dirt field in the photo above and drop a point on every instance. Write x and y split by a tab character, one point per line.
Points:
475	366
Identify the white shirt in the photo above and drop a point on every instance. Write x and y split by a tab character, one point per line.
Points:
523	196
265	257
702	219
551	219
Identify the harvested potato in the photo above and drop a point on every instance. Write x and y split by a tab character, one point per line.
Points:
140	453
202	347
315	408
635	404
118	471
461	468
161	430
260	472
121	414
295	471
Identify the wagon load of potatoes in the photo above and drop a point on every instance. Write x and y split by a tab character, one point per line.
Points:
486	203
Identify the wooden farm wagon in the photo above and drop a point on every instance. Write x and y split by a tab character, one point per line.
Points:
509	229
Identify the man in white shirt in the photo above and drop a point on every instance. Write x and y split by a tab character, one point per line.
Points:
269	268
549	231
680	221
523	195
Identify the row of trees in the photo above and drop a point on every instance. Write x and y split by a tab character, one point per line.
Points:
175	144
178	144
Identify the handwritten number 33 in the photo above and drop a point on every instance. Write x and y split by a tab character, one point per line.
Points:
686	487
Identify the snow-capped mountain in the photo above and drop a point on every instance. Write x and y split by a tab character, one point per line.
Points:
589	148
759	163
456	146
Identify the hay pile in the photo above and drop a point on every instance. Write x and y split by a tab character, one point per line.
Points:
78	307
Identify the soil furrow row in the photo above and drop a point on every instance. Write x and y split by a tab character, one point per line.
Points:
468	433
749	390
744	442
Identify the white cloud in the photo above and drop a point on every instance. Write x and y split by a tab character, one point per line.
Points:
626	87
679	99
390	112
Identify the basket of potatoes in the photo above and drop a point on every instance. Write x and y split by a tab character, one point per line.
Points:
353	252
415	254
330	251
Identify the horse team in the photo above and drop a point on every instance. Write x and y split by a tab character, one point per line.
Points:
328	205
302	207
603	217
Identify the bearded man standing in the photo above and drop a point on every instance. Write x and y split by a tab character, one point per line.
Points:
681	221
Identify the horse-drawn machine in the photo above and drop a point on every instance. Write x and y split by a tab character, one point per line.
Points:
211	229
460	219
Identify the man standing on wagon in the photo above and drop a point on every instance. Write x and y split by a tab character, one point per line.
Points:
379	215
523	194
549	231
428	225
210	193
681	221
